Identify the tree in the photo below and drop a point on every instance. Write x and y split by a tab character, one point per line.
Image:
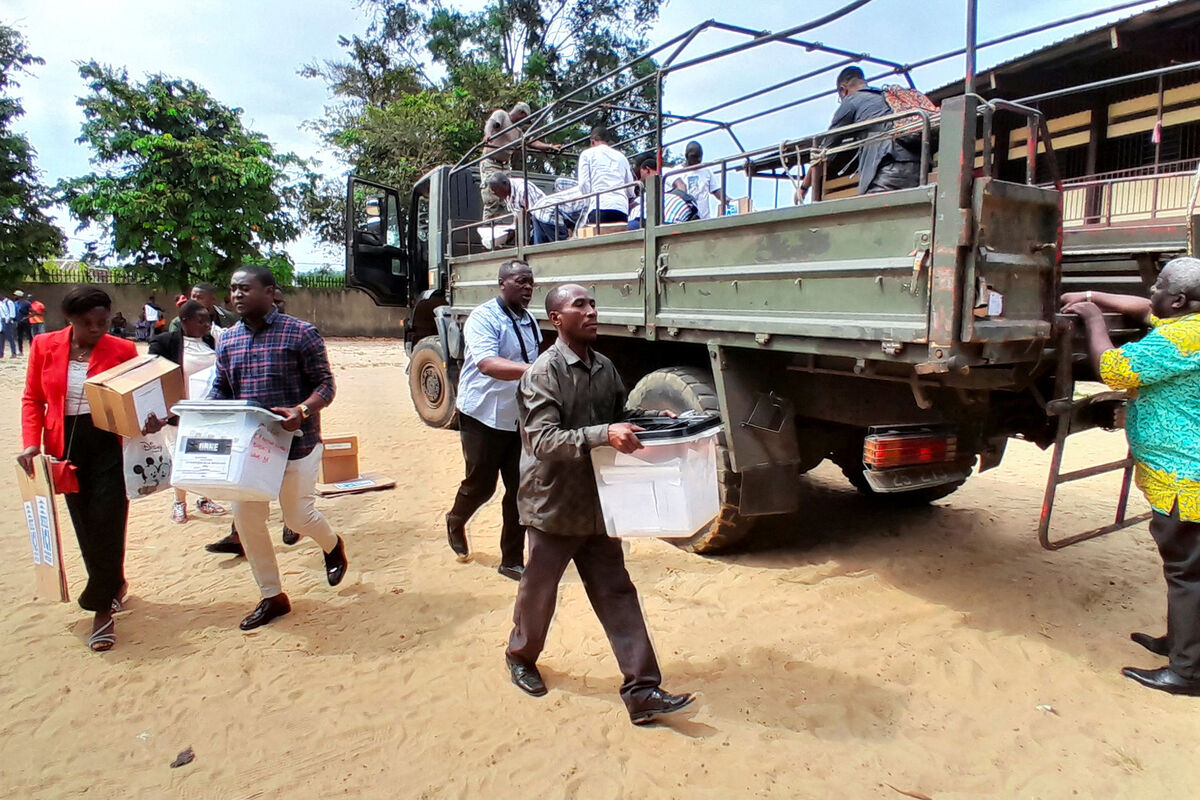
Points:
391	122
27	235
186	191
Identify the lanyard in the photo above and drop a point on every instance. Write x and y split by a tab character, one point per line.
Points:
517	330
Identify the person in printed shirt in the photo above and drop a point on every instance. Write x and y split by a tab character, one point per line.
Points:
278	362
1163	425
678	205
697	181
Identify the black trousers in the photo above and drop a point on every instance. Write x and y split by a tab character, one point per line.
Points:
99	510
490	453
601	566
606	215
1179	545
893	175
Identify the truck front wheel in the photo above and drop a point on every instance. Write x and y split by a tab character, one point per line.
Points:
432	392
682	389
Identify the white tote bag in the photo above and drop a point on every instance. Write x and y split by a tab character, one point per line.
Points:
147	465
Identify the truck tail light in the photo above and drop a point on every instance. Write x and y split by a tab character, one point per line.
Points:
885	450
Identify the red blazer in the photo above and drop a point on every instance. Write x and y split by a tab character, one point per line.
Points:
45	397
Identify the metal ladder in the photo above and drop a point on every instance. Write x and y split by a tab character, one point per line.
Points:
1075	416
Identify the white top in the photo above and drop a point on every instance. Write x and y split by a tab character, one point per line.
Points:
76	396
524	196
700	183
567	202
151	313
491	331
197	356
600	168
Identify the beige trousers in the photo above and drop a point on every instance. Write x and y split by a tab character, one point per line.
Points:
296	500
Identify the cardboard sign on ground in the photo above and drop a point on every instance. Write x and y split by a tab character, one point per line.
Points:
124	396
367	482
41	519
339	461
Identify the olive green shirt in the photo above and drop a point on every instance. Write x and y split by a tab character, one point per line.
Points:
564	408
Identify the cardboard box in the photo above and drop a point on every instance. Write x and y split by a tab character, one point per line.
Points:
339	462
122	398
41	517
586	230
229	450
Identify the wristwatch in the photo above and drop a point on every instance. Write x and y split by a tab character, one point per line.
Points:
304	412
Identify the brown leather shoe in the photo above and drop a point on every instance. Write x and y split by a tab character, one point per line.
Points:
268	609
658	703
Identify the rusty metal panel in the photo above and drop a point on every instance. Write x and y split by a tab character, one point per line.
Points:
1009	285
842	269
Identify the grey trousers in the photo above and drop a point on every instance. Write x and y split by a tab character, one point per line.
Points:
894	175
1179	545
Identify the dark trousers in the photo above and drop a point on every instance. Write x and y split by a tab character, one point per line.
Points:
490	453
606	215
544	232
24	334
99	510
601	566
1179	545
9	334
893	175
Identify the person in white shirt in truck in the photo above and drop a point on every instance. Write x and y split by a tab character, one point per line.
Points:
605	170
697	181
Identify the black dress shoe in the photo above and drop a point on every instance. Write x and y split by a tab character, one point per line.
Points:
1163	679
265	611
1155	644
526	678
456	534
290	537
658	703
514	571
231	544
336	563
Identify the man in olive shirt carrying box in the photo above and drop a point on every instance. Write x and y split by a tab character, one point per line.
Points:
571	400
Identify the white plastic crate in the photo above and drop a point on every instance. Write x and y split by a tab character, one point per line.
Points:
668	488
229	450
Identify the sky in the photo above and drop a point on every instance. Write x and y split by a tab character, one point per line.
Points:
247	54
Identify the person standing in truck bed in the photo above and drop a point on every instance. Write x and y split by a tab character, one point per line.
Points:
501	138
1163	426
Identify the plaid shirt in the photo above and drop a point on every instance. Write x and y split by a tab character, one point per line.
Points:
279	365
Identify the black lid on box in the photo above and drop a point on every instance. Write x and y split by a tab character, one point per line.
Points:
661	429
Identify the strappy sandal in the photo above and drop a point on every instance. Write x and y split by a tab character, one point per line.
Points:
118	603
100	641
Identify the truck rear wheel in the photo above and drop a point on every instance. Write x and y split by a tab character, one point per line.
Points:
682	389
432	392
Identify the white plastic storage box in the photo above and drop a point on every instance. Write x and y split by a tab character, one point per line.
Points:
668	488
229	450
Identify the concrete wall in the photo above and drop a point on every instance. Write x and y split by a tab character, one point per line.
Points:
335	312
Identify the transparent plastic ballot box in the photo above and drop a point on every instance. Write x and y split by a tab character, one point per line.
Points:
229	450
668	487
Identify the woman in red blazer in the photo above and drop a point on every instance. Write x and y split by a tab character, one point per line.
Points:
56	420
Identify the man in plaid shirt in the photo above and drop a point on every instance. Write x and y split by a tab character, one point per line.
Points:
278	362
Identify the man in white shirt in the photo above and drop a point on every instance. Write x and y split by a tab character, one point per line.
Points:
501	340
698	181
605	170
8	325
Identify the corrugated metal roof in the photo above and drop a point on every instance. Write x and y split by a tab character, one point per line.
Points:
1073	44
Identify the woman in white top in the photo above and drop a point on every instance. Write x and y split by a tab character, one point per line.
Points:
193	347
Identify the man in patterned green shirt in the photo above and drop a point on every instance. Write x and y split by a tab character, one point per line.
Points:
1162	373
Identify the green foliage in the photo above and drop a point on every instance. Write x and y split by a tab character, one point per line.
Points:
27	236
184	190
392	123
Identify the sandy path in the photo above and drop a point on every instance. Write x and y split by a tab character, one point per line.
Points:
844	651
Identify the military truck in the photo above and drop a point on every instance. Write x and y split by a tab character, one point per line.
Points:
906	335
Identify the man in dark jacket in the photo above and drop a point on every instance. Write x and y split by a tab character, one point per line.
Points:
885	164
571	399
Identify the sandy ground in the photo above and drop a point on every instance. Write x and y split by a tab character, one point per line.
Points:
848	653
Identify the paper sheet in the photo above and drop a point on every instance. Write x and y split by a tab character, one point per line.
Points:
636	508
34	539
149	399
47	529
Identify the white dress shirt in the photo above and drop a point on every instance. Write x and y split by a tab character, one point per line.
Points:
491	331
603	169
